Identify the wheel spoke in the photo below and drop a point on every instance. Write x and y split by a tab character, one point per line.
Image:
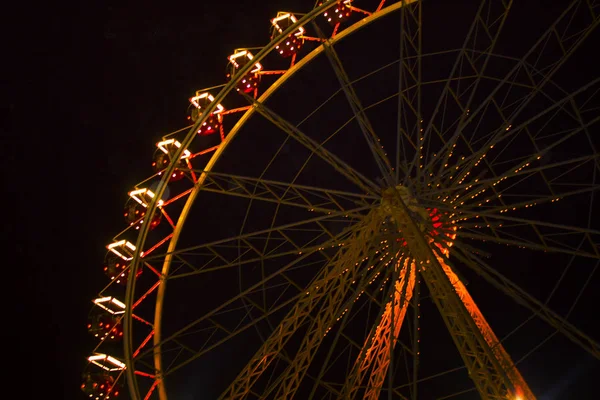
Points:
567	41
328	280
307	197
353	176
475	53
520	296
263	244
366	128
336	302
409	86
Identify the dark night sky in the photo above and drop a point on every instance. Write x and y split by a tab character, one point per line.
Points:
90	88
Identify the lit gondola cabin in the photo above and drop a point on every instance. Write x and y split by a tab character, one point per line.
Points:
115	269
122	248
104	325
339	13
117	261
136	207
249	82
212	124
292	44
100	386
162	158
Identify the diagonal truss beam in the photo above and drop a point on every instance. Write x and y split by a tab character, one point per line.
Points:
335	304
409	130
387	332
522	390
252	244
229	334
340	166
363	362
542	245
307	197
519	295
491	381
478	45
568	42
366	128
329	279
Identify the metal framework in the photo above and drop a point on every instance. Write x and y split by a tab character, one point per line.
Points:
482	166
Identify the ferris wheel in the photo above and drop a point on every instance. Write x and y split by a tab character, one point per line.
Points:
359	192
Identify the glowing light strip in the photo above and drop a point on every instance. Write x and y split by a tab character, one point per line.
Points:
112	247
110	300
134	195
161	146
108	359
248	55
282	16
194	101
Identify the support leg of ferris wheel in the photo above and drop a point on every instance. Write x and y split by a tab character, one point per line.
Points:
489	366
331	278
389	329
503	357
335	305
376	345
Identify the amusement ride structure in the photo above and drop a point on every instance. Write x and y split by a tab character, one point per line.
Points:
301	255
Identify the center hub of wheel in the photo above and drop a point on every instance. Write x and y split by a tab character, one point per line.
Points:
400	206
413	222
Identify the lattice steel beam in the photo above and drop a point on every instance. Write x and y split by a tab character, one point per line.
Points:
389	330
331	310
307	197
490	379
520	296
522	390
365	125
329	279
340	166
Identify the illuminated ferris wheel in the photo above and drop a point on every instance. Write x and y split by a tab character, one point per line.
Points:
347	181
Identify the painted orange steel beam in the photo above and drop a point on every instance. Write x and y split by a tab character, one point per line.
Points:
386	346
486	371
380	335
522	389
329	314
328	280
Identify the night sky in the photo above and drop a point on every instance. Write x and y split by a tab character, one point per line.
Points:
90	88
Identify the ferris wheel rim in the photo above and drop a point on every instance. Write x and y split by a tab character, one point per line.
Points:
228	88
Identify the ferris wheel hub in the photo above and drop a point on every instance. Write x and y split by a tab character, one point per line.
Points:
399	205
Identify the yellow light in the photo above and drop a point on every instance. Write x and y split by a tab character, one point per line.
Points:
105	302
206	95
102	360
138	195
244	53
161	146
116	246
283	15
